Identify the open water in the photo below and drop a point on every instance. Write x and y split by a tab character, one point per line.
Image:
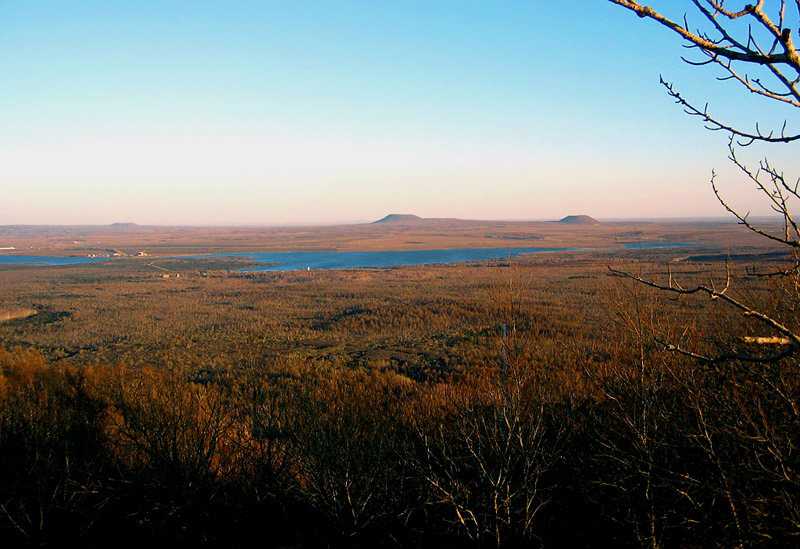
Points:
295	261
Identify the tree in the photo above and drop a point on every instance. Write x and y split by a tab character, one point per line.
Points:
739	422
755	48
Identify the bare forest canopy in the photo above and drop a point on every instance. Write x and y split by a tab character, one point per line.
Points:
12	314
522	402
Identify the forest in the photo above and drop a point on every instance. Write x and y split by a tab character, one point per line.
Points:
529	402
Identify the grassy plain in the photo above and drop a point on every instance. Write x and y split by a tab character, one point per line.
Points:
493	403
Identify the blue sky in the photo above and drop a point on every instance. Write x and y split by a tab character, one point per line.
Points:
324	112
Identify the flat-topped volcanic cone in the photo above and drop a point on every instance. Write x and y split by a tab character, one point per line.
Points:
579	220
400	218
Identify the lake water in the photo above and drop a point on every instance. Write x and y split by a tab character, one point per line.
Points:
295	261
46	260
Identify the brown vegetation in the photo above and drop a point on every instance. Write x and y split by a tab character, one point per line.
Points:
13	314
456	405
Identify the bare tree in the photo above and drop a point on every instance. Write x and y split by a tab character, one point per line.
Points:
753	45
740	422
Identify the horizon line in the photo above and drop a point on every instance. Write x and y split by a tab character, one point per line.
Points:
368	222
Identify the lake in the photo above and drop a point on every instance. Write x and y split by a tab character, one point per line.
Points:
46	260
296	261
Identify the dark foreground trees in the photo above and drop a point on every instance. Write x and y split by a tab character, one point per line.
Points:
517	450
738	400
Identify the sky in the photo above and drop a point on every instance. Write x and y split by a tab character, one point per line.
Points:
304	112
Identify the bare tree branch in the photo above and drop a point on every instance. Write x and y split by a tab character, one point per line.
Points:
715	125
788	56
779	57
726	357
791	236
722	295
753	38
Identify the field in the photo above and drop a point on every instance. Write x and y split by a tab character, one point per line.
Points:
503	403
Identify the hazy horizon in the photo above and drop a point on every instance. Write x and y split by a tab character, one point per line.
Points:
263	114
698	219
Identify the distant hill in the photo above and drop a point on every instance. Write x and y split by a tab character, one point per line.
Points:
123	225
579	220
400	218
